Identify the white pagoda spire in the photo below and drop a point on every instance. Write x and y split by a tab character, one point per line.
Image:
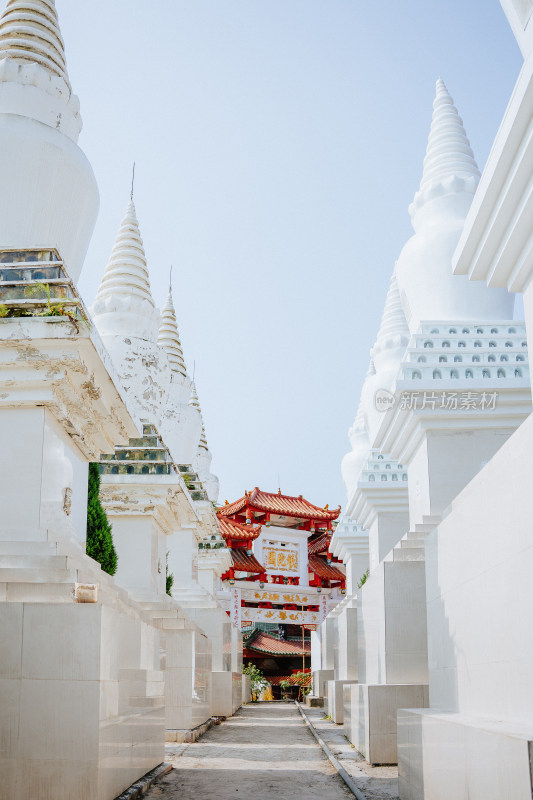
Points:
449	164
29	34
393	326
169	338
428	288
125	286
193	400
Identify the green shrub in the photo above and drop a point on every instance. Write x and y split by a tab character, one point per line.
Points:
99	536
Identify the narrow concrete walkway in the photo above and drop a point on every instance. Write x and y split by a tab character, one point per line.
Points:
264	752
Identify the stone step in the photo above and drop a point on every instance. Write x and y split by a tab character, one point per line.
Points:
38	592
144	675
28	548
170	624
38	562
147	702
37	575
412	554
161	613
14	535
406	544
414	535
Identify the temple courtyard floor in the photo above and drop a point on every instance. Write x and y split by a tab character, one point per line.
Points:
267	752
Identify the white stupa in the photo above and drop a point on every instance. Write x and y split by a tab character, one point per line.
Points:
181	424
428	288
386	357
202	457
50	197
125	315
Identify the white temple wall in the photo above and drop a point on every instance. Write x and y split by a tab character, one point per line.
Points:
386	530
80	483
183	556
391	625
22	435
187	679
43	462
346	662
140	544
443	464
479	589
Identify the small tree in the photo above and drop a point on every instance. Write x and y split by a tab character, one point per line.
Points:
99	537
169	578
258	682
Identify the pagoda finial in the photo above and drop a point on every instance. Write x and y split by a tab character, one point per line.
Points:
125	285
30	34
193	400
132	181
448	153
169	338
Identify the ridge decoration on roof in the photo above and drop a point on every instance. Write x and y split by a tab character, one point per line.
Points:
280	504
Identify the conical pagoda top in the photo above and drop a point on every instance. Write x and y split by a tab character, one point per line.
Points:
203	440
125	285
448	154
393	326
29	34
32	53
193	400
169	338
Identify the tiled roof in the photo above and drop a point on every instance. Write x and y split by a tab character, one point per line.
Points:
245	563
282	504
264	643
235	530
320	567
318	545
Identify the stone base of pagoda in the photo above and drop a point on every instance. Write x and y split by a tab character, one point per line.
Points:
335	702
226	695
443	754
370	717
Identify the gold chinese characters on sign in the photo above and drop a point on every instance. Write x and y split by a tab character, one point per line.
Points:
281	559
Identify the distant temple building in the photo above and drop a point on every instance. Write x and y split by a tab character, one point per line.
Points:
283	575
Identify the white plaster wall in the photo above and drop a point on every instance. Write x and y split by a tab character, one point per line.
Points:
22	435
216	624
140	547
386	530
80	481
182	549
391	625
443	465
347	645
187	678
371	629
480	592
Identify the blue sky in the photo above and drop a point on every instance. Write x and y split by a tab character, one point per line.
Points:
278	145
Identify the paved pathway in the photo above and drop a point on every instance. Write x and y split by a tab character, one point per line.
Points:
264	752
